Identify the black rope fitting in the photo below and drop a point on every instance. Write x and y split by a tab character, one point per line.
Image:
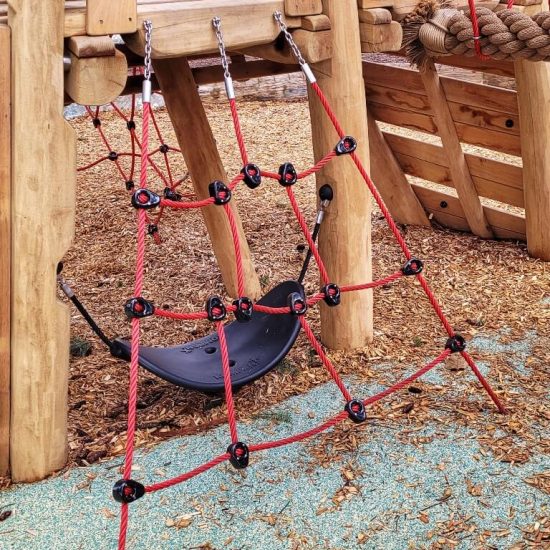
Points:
345	146
413	267
164	148
96	122
131	125
143	198
244	306
356	410
332	294
130	185
171	195
239	455
297	304
456	343
138	307
152	228
288	174
127	491
252	175
219	192
216	309
113	155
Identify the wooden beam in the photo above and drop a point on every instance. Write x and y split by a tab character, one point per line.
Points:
108	17
460	172
344	239
205	165
5	245
381	38
91	46
303	7
375	16
42	229
368	4
391	182
533	84
316	23
96	80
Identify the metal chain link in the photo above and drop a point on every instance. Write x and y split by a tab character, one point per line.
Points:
148	47
217	24
284	29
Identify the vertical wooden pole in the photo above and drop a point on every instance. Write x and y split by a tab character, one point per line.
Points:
5	246
533	86
344	240
205	165
43	202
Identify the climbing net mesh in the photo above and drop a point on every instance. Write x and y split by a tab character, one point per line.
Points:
150	208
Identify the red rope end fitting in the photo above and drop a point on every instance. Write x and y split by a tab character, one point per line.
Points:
126	491
239	455
356	410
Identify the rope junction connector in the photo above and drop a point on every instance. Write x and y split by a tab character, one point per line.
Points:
219	192
152	228
171	195
129	185
356	410
127	491
288	174
346	146
96	122
414	266
146	199
164	148
113	155
138	307
216	309
332	294
244	306
131	125
297	304
239	455
252	175
456	343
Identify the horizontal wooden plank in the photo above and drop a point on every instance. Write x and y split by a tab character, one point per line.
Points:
493	180
458	91
497	141
447	211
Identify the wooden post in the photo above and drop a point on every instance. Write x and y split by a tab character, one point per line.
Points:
203	160
344	240
5	246
43	199
533	86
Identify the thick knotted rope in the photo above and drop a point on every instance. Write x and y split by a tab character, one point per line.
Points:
434	30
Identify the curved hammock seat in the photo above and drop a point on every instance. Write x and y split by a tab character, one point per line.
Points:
254	348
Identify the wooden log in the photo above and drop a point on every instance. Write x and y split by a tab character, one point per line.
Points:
460	172
381	38
91	46
316	23
96	80
344	239
203	161
533	85
314	46
375	16
295	8
185	28
391	182
42	230
108	17
5	246
523	2
368	4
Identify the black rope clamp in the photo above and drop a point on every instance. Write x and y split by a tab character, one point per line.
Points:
252	175
113	155
288	174
332	294
456	343
345	146
152	228
171	195
127	491
239	455
413	267
219	192
216	309
130	185
244	306
164	148
143	198
96	122
138	307
356	410
131	125
297	304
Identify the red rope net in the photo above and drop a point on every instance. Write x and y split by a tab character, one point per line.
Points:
127	490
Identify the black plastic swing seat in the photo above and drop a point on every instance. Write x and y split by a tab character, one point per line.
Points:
255	347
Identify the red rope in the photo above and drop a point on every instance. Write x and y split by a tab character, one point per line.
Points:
227	383
321	164
238	131
237	247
